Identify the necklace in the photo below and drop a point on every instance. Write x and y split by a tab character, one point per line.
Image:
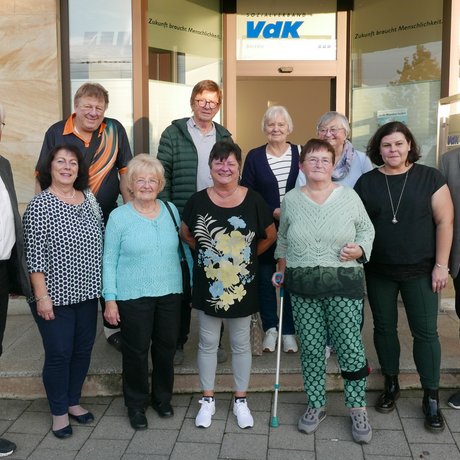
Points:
394	220
225	196
63	196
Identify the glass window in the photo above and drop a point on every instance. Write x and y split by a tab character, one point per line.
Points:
101	51
185	46
396	69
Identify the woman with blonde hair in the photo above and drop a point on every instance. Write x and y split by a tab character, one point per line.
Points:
142	285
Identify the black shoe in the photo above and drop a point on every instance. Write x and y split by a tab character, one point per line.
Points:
434	420
137	419
454	401
83	419
386	401
6	447
63	433
115	340
164	410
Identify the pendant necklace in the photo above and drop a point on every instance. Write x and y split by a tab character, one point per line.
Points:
394	220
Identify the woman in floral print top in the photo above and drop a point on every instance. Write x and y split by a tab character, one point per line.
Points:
227	226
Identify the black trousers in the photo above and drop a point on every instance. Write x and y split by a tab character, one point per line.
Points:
149	323
4	296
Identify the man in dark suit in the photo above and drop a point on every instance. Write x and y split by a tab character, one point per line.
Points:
14	277
450	167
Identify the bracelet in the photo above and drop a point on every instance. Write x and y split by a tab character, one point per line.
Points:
445	267
37	299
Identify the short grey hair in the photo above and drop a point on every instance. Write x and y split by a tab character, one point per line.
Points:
272	112
329	116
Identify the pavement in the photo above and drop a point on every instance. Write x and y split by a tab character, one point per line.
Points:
25	418
398	435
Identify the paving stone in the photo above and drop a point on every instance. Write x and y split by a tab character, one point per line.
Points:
381	421
409	407
113	428
117	407
26	444
261	423
343	450
388	442
244	446
158	442
10	409
195	451
52	454
144	457
168	423
416	433
190	433
260	401
39	405
277	454
288	437
5	424
435	451
32	423
336	404
101	449
335	428
289	413
293	397
75	442
452	418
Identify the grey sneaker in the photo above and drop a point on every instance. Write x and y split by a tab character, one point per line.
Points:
361	428
310	421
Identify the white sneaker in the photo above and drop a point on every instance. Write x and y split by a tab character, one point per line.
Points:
243	414
269	343
207	410
289	343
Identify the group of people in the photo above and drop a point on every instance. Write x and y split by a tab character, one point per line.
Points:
289	217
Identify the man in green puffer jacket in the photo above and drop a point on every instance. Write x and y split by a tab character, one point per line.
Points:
184	153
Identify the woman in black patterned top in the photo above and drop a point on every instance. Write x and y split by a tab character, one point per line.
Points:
63	231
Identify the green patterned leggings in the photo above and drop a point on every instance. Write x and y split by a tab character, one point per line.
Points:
342	318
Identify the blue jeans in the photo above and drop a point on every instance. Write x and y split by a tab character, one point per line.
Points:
68	340
268	302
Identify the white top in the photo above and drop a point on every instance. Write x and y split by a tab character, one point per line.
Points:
7	235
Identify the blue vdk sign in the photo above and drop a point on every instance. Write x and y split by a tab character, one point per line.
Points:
279	29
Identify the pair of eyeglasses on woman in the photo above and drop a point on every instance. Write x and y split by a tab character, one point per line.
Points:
203	103
318	161
143	182
332	131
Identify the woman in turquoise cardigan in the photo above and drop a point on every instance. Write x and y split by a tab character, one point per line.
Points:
142	285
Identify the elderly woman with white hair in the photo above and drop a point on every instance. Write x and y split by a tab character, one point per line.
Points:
272	170
142	285
350	164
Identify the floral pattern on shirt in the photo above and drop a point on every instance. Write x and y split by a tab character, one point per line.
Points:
225	256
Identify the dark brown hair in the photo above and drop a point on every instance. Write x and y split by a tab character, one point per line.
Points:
373	147
44	169
221	150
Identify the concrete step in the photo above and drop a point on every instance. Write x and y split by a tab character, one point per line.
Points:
22	361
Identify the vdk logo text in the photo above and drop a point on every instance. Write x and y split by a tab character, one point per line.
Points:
279	29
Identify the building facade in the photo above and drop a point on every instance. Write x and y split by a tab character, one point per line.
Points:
373	60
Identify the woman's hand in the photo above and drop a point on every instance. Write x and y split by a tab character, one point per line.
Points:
45	308
278	279
439	278
277	213
350	251
111	313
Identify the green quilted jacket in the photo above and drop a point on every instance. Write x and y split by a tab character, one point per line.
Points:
179	157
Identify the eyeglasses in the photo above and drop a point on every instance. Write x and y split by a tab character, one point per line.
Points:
333	131
144	182
321	161
203	103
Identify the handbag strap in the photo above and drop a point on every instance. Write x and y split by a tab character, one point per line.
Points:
181	249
